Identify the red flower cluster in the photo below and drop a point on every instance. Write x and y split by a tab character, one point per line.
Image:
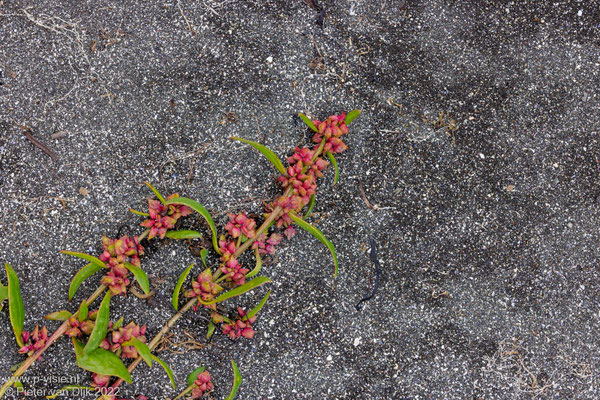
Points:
234	271
332	130
34	341
115	339
116	253
163	217
109	397
239	327
205	289
79	328
202	385
240	224
267	246
302	177
116	336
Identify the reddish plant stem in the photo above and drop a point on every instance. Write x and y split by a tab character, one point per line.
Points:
276	211
55	336
263	227
152	345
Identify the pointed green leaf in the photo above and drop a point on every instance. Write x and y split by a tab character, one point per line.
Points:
62	315
183	234
192	377
140	277
237	381
335	167
211	330
203	255
156	192
166	368
101	361
260	305
258	265
254	283
175	297
351	116
267	153
143	214
199	208
319	235
81	276
311	204
3	292
142	348
86	257
308	122
80	389
118	324
82	314
15	304
100	327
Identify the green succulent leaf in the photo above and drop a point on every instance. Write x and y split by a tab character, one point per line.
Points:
156	192
258	265
81	276
82	314
194	375
143	214
142	348
203	255
266	152
183	234
177	290
100	326
260	305
319	235
237	381
140	277
62	315
308	122
351	116
166	368
61	391
238	291
335	167
101	361
200	209
211	330
15	304
311	205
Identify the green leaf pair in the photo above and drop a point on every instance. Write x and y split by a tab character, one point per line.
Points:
90	269
200	209
96	265
351	116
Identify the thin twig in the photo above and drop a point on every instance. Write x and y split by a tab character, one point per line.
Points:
364	196
28	134
185	18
